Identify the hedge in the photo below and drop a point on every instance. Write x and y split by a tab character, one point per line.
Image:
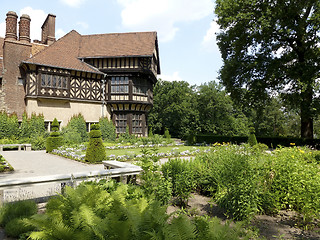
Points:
271	142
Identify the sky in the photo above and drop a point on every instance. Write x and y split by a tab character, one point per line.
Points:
186	28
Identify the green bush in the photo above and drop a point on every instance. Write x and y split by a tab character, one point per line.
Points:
32	127
17	227
108	130
252	140
95	133
96	151
21	209
9	126
54	140
78	124
71	136
166	133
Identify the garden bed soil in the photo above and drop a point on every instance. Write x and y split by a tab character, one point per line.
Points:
284	225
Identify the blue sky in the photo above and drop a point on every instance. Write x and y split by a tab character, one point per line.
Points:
186	30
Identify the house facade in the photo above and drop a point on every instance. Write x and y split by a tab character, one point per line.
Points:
101	75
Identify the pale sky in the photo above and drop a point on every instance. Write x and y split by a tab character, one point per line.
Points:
186	30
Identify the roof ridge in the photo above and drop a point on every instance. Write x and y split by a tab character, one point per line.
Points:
103	34
53	44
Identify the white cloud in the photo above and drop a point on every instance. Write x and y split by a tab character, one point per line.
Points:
60	33
162	16
37	18
209	41
73	3
174	77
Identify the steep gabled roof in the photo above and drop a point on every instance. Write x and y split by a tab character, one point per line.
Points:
118	44
69	50
63	54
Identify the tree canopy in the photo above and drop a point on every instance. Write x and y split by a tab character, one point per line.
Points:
272	46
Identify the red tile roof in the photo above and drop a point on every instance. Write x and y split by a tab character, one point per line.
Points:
63	54
118	44
68	50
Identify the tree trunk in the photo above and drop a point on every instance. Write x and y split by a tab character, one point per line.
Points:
306	113
307	128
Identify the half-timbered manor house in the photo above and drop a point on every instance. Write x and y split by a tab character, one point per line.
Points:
102	75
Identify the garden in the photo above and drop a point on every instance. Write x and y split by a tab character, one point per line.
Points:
240	184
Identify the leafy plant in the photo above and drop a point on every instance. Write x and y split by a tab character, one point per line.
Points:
178	171
108	130
252	140
95	150
54	140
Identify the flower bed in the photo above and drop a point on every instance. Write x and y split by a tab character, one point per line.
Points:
138	151
4	165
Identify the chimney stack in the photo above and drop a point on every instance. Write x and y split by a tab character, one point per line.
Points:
24	28
48	30
11	26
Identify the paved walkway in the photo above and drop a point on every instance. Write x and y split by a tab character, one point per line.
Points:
28	164
39	163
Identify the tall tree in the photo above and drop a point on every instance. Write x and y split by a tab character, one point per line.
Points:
217	113
173	108
270	46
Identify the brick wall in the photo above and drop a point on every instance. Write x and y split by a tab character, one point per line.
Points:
13	53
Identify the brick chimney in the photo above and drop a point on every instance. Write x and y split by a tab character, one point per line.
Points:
24	28
11	26
48	30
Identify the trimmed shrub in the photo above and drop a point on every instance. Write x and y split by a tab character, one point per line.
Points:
166	133
95	150
252	140
54	140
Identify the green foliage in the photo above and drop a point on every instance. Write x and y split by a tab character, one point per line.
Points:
95	150
17	210
76	124
108	130
295	181
127	137
153	182
9	126
120	212
54	140
150	133
252	140
173	108
185	109
180	174
55	125
17	228
166	133
271	53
